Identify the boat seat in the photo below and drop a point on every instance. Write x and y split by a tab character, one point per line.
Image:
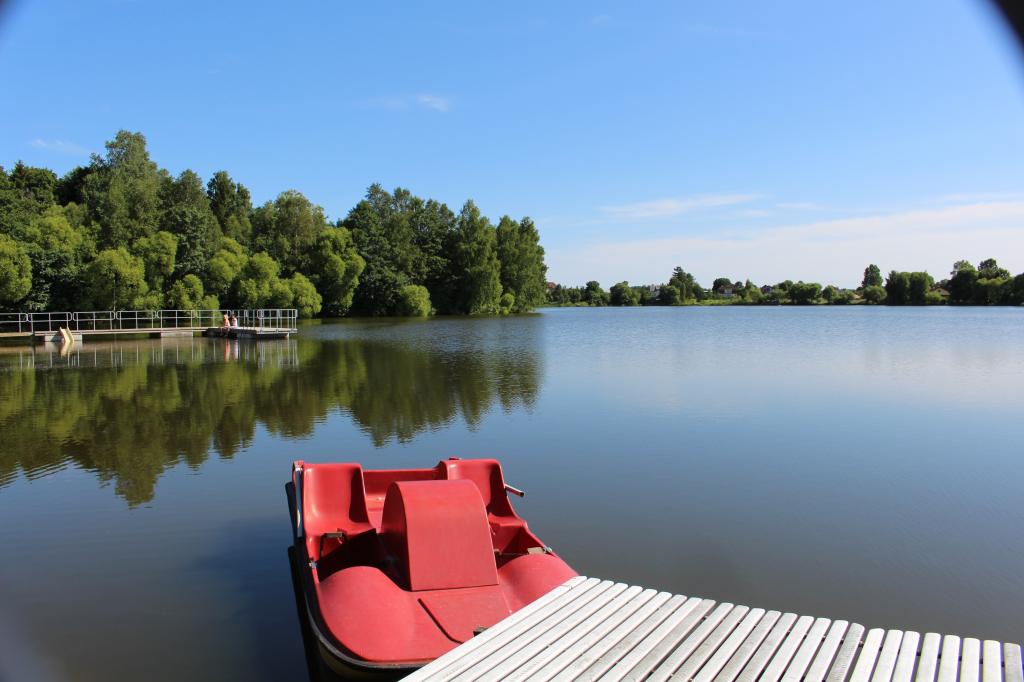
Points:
333	503
438	534
506	525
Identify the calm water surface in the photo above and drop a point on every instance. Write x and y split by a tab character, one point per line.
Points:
857	463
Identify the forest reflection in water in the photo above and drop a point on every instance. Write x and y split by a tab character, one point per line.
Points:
129	410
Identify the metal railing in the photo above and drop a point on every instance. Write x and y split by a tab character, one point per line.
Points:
131	321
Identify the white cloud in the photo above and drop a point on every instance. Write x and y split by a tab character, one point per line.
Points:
665	208
435	102
828	251
60	146
399	102
798	205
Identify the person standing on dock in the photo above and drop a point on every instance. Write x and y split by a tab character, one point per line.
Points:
226	325
234	321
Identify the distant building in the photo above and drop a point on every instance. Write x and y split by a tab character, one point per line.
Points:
767	289
552	286
727	290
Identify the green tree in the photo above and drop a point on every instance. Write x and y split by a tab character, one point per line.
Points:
414	301
874	295
719	284
259	284
36	186
383	237
287	228
523	272
961	282
475	265
231	204
158	256
186	214
187	294
872	277
57	251
919	284
594	295
304	296
225	267
804	293
670	295
1016	287
622	294
689	289
122	191
897	288
15	271
116	279
989	269
335	266
752	292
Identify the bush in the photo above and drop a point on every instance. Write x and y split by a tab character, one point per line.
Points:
414	301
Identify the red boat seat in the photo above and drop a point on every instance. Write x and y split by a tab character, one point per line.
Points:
487	475
437	531
333	500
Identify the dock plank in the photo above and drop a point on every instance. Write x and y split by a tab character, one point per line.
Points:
685	646
868	655
991	661
743	654
949	658
1012	664
647	653
572	663
970	660
887	657
802	658
577	638
590	629
820	664
764	653
628	644
665	644
500	662
847	650
906	658
730	646
928	661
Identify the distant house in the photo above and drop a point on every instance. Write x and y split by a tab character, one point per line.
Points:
727	290
767	289
552	286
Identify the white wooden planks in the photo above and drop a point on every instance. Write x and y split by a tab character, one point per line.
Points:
589	629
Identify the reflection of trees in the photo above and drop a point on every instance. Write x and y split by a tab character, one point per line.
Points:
128	420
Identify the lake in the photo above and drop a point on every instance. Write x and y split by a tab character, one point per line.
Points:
858	463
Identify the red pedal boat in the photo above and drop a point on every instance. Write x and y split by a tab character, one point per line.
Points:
399	566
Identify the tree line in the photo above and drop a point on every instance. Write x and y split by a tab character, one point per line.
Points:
122	233
986	284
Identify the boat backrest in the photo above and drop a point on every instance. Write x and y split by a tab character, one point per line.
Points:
438	534
332	498
486	474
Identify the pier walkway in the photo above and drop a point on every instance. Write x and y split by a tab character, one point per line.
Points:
257	323
589	629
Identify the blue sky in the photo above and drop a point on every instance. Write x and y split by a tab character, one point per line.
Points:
744	139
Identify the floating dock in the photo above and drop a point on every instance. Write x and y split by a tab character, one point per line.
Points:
63	327
590	629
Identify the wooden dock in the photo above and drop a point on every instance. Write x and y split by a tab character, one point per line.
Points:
590	629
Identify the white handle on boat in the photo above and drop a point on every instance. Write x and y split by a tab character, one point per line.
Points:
514	490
